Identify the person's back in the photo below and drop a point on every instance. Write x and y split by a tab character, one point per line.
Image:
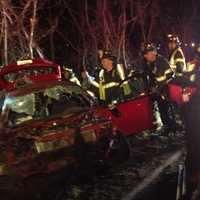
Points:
177	59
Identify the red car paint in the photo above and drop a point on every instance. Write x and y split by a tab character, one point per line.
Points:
136	116
36	64
176	91
19	155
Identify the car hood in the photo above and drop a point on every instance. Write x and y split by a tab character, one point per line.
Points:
40	128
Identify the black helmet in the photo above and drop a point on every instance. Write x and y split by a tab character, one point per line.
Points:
148	47
107	52
104	52
173	38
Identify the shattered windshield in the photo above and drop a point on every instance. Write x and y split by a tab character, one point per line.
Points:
51	102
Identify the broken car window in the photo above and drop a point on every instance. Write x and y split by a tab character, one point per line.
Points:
53	101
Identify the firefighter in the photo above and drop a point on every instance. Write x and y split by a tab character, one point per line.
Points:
68	75
108	82
176	58
178	64
191	113
159	73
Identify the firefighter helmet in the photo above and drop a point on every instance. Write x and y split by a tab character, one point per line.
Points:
173	38
107	52
108	55
197	52
104	52
68	69
148	47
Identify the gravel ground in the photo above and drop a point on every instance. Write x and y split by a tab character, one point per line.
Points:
147	153
115	184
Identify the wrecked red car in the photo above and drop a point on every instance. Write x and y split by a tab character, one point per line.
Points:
32	71
51	125
136	113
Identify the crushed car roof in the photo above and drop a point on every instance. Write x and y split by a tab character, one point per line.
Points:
26	64
39	86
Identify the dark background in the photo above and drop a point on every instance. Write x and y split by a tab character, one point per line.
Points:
62	31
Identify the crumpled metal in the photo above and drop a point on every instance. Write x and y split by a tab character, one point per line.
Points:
55	92
22	104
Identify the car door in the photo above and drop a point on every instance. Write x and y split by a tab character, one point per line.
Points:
134	115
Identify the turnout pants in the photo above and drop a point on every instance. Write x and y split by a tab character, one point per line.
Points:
166	113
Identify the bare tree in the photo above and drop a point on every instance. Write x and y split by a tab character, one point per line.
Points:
103	22
33	21
112	24
20	36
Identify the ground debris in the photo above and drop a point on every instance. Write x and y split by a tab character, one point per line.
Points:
146	155
114	184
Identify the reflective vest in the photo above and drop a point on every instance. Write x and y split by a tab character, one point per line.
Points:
191	72
75	80
177	62
125	85
72	76
160	71
165	77
102	85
